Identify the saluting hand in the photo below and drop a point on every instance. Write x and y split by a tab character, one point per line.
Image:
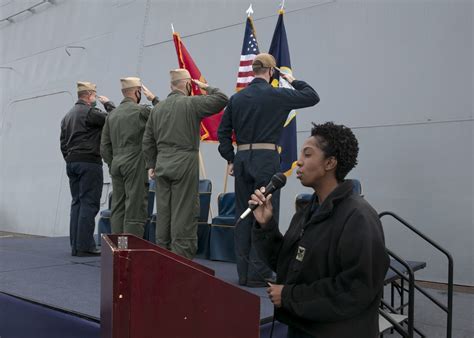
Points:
200	84
103	99
149	95
288	77
264	211
274	293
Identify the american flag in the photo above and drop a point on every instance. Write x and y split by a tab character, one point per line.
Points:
249	51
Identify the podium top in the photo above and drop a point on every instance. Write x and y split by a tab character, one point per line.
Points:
129	242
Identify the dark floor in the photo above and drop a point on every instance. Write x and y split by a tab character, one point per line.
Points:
42	269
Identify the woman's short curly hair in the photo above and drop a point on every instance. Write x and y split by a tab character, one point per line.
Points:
338	141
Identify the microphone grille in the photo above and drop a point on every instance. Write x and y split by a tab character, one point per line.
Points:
278	180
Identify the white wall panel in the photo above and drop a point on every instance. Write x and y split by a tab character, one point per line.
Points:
32	167
400	72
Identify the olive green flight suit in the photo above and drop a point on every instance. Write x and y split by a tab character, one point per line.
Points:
121	149
171	146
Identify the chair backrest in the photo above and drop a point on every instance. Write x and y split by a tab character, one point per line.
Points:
205	191
151	197
151	202
152	185
110	200
302	200
226	204
205	186
357	187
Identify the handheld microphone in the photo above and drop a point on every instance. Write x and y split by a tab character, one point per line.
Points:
277	182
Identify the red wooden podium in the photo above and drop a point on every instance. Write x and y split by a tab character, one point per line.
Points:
147	291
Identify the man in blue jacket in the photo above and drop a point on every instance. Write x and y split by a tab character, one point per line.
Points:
257	115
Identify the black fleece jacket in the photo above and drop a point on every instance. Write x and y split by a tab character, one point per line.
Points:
80	132
332	262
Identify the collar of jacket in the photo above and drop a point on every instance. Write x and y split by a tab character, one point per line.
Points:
127	99
81	101
176	92
343	190
258	80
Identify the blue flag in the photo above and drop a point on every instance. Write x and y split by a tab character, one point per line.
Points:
280	51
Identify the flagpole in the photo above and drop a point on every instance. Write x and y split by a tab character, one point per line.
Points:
172	28
226	177
201	165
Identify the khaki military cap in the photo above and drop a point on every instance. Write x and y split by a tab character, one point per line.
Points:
130	82
264	60
83	86
179	74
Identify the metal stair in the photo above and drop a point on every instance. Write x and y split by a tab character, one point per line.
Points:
405	283
386	324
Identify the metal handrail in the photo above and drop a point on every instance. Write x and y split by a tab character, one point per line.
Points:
449	308
424	292
432	298
411	290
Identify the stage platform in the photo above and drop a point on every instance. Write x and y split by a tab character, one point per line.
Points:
42	269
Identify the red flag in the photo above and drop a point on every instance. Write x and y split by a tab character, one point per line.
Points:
210	124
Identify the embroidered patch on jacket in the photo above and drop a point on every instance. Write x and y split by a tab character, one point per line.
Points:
300	253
